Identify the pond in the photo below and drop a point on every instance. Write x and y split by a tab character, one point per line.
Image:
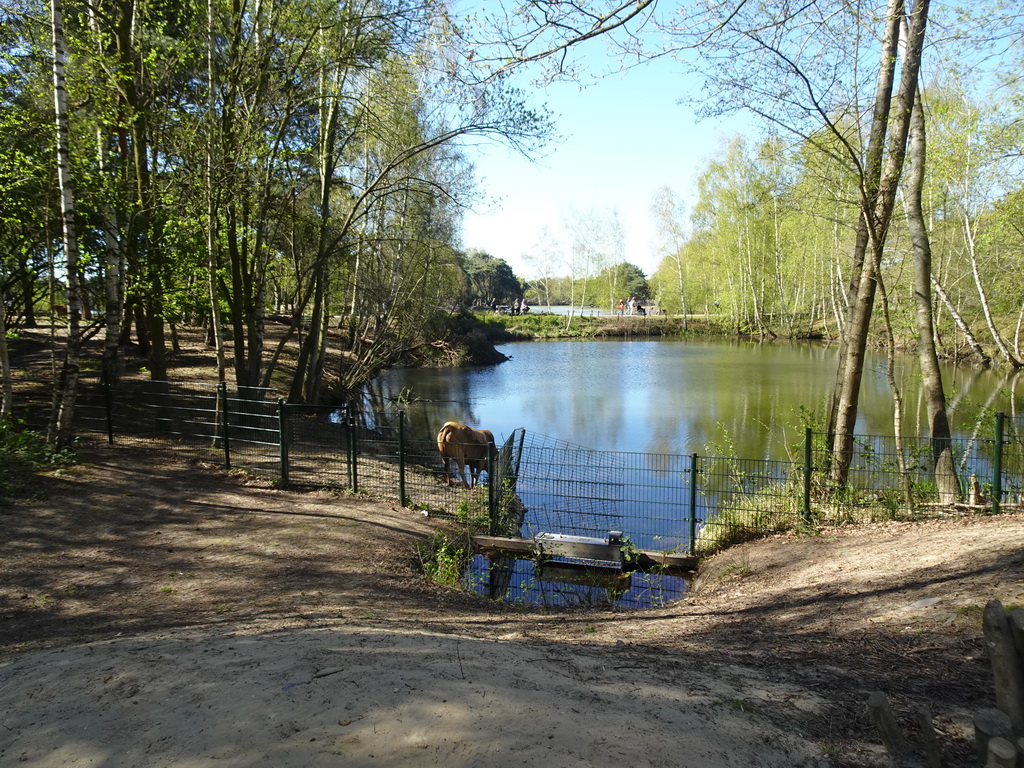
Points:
653	402
675	397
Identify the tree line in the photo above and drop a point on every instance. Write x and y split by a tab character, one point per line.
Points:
221	161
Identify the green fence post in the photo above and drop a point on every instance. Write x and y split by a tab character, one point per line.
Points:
492	512
693	504
402	500
997	464
352	452
808	440
222	390
109	405
282	432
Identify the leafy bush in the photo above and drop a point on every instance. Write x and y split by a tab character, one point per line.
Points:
23	453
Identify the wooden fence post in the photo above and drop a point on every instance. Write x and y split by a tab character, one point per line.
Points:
892	737
932	749
990	724
1001	754
1006	664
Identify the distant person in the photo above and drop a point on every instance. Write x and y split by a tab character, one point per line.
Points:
631	304
523	306
621	305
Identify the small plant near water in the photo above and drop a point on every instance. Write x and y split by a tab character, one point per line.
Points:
760	515
445	556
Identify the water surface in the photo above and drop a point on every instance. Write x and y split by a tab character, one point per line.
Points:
654	402
676	397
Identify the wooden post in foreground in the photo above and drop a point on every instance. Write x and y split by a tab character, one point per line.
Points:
990	724
1001	754
892	737
1006	664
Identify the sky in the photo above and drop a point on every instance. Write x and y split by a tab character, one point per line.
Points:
624	138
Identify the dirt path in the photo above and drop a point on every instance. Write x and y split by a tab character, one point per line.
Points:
153	613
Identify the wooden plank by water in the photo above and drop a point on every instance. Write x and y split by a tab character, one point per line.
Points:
646	560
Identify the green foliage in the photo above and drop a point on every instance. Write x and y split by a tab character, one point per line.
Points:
23	454
619	282
742	518
535	325
445	556
490	278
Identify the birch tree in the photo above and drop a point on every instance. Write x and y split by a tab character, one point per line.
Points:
669	214
65	393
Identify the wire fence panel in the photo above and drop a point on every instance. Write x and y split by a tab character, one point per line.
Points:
577	491
887	475
253	433
744	498
317	440
370	454
537	484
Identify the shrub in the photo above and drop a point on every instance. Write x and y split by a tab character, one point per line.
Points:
23	453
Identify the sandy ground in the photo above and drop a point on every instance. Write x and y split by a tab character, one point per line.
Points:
371	697
158	614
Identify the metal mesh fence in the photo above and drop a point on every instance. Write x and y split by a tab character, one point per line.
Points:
543	485
743	498
574	490
887	475
201	420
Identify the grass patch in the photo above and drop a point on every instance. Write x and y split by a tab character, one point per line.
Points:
23	455
538	325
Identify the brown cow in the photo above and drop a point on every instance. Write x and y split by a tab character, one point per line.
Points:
466	447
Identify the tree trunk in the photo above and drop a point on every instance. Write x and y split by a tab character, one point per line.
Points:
871	173
61	422
965	329
212	216
876	216
7	397
943	465
113	287
983	297
897	396
682	291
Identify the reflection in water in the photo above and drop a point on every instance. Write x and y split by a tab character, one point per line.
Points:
656	402
528	582
673	397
